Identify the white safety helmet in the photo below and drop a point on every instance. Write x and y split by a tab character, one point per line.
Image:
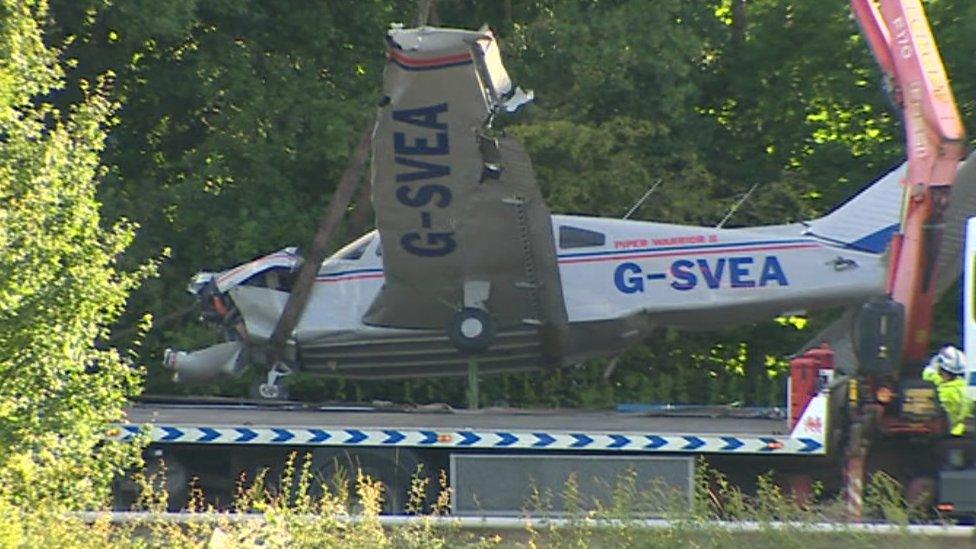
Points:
951	360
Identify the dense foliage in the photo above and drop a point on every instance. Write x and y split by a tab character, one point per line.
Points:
60	286
719	515
238	116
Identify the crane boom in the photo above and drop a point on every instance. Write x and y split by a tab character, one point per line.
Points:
899	35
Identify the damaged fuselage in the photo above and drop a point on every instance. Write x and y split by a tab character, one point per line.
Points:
468	263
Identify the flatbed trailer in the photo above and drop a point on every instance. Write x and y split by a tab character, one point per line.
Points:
218	442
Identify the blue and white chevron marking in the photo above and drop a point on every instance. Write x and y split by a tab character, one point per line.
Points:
482	439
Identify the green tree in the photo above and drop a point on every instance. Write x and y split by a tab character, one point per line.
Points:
239	115
237	119
59	284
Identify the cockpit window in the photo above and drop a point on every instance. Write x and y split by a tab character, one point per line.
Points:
355	250
574	237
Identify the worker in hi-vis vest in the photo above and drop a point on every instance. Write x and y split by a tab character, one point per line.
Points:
946	370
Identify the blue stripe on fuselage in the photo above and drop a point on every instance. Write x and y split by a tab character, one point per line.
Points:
346	273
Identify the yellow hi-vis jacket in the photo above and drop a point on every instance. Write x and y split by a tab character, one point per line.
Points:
952	394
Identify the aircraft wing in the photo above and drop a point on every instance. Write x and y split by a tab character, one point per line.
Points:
460	216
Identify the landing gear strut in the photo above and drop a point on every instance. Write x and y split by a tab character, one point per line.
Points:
474	395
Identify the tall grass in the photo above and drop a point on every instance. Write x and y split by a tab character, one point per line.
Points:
770	517
299	510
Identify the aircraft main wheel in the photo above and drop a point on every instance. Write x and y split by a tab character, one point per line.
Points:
471	330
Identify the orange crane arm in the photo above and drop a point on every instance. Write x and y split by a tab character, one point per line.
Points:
899	35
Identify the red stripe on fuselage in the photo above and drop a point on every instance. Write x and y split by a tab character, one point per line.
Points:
686	253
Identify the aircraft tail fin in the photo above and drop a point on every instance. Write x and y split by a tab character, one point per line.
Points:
957	236
867	221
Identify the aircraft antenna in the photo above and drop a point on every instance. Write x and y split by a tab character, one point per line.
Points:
736	206
642	199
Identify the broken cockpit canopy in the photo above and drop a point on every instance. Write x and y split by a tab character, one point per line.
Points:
263	270
285	259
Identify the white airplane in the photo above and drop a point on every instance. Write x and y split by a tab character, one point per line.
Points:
468	263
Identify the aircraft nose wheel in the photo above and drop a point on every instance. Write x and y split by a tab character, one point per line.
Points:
272	389
471	330
272	392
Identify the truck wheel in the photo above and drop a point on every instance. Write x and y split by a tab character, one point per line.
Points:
395	469
920	492
471	330
164	474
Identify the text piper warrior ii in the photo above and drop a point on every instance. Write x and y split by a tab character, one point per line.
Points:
467	263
